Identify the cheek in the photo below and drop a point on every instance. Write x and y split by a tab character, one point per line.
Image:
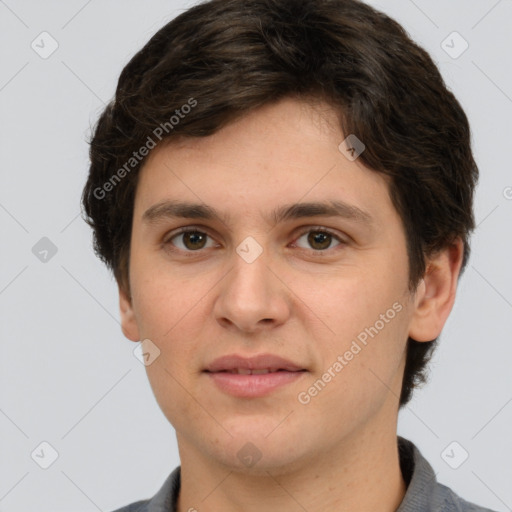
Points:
162	303
359	372
354	302
173	374
368	318
171	391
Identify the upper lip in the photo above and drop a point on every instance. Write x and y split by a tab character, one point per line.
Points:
259	362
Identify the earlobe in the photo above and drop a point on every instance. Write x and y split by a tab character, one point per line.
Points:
128	320
435	295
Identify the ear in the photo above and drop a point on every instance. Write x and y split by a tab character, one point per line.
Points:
435	294
128	320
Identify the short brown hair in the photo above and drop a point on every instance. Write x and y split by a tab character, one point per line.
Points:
232	56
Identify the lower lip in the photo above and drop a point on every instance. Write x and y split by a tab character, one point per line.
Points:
251	386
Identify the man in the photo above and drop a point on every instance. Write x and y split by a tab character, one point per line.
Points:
283	190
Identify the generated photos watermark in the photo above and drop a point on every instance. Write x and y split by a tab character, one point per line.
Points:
361	341
137	156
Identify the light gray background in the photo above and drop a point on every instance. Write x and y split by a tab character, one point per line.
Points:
69	377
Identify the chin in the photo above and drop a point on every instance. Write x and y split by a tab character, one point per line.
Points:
266	461
254	451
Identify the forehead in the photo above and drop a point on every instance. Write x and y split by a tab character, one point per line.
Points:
270	159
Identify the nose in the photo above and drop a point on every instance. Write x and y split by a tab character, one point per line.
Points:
252	296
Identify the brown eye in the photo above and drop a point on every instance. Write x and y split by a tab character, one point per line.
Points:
188	240
319	240
194	240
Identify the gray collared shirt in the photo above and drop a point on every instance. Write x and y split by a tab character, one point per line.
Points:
424	493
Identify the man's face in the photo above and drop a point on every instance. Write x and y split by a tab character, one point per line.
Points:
334	304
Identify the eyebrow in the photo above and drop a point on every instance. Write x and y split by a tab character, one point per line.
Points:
170	209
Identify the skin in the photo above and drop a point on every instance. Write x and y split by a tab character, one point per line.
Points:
295	300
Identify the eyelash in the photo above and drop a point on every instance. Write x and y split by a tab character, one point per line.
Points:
193	229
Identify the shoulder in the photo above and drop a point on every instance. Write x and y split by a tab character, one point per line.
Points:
164	500
424	493
138	506
453	502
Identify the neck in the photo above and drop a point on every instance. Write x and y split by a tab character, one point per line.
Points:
363	474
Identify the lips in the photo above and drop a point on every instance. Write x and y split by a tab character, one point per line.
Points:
252	377
256	365
246	371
